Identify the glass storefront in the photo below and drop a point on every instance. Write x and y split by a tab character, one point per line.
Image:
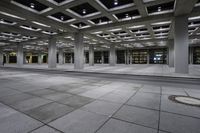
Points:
139	56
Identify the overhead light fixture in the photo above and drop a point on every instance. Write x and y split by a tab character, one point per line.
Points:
115	2
41	24
11	15
62	18
84	11
159	9
127	15
32	5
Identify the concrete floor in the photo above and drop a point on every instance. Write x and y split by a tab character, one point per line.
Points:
34	102
139	69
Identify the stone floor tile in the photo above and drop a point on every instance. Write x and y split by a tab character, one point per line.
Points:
49	112
41	92
18	123
179	124
15	98
140	116
117	126
150	89
102	107
30	104
147	100
116	97
76	101
79	122
46	129
173	91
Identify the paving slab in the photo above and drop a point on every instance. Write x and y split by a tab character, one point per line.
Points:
49	112
179	124
139	116
117	126
79	122
147	100
15	98
102	107
12	121
75	101
46	129
30	104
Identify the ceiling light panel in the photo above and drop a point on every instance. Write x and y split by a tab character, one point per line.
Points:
127	15
115	4
33	4
84	9
61	17
161	8
101	20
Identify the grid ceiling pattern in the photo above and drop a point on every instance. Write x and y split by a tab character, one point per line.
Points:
128	23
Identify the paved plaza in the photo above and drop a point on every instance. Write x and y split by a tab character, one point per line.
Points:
34	102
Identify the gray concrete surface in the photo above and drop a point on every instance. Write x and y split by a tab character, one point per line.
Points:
35	102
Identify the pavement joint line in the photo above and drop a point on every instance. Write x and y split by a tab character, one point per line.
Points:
30	117
115	112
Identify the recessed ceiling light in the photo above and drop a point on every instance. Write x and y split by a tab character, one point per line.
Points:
62	18
159	8
32	5
115	2
127	15
84	11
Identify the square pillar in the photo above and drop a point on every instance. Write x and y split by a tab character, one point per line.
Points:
1	57
91	55
78	51
52	55
61	56
171	53
102	57
112	57
40	58
7	58
181	44
20	55
130	56
191	55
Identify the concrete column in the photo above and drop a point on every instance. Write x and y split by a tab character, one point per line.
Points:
171	53
40	58
125	56
91	55
1	57
181	44
24	58
78	51
71	59
61	56
112	57
52	55
130	57
102	57
20	55
7	58
191	55
148	57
